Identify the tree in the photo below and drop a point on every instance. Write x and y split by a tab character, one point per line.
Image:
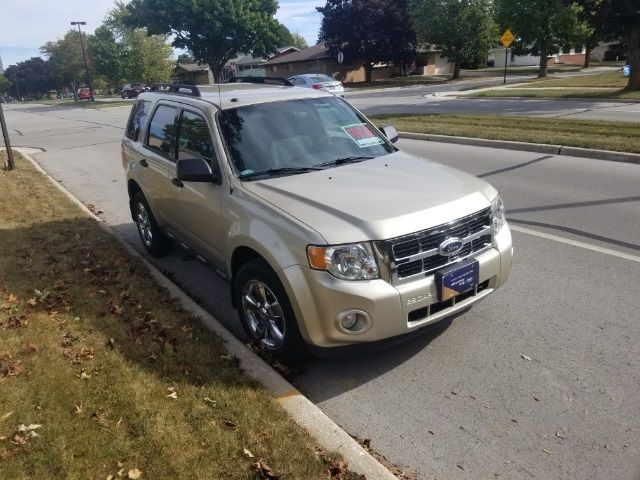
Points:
298	41
65	59
372	31
544	24
107	55
31	77
213	30
5	84
185	58
149	58
613	20
286	38
145	58
464	30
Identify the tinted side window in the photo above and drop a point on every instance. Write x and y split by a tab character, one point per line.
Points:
195	139
162	130
137	120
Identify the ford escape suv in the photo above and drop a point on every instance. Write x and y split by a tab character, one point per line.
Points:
327	233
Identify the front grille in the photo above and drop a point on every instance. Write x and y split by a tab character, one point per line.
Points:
417	253
425	312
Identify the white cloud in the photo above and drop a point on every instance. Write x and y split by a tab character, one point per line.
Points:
26	25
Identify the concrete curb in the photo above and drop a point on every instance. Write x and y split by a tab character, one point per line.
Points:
528	147
326	432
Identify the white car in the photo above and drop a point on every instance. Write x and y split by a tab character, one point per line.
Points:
318	81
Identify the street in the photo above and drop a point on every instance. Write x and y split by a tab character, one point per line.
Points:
541	380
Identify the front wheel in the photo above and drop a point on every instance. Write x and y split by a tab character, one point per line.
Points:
152	237
266	313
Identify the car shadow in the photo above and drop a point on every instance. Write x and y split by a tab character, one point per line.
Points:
324	374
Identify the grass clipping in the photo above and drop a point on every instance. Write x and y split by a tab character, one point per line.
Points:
103	375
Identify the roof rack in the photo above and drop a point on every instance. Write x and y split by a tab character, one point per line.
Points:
177	88
263	80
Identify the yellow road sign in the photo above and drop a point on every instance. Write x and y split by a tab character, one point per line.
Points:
507	38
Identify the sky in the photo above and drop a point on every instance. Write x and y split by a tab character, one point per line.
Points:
26	25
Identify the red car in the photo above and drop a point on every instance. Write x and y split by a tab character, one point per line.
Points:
84	93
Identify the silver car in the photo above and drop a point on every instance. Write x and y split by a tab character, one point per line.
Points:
318	81
327	233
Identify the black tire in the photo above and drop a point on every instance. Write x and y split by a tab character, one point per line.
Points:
279	315
156	242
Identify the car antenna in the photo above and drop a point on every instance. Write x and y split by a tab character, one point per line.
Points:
219	95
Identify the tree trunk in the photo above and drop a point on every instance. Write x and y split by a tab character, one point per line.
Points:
543	61
633	58
587	57
456	71
217	72
368	72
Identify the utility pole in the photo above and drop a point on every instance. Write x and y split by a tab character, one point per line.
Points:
84	56
9	164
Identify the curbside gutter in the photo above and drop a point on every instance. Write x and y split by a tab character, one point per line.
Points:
325	431
529	147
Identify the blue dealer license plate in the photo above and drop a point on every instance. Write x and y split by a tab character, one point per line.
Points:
457	279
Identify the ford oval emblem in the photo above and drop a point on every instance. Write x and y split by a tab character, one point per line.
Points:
450	247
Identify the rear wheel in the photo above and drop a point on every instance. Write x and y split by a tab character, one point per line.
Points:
152	238
266	313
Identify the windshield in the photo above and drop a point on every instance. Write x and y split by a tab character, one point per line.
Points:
322	78
298	134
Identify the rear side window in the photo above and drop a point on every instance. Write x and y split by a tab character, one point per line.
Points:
137	120
195	139
162	130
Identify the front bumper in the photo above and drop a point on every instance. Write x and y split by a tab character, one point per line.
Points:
317	298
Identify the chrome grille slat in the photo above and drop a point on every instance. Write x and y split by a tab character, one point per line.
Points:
417	254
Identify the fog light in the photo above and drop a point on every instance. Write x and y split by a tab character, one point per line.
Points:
353	321
349	320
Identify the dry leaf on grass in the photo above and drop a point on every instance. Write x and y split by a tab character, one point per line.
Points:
173	393
230	425
5	416
264	471
134	474
248	453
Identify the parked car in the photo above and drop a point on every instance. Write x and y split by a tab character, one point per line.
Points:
327	233
132	90
84	93
318	82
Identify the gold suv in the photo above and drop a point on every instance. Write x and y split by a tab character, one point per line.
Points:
328	234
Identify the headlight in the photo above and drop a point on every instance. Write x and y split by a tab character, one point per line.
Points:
497	214
346	262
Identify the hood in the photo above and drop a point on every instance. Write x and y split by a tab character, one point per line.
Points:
376	199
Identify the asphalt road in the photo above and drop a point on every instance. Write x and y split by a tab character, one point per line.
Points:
541	380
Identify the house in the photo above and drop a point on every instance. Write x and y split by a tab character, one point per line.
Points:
240	66
571	56
192	73
317	59
249	66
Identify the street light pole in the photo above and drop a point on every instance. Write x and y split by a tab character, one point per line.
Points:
84	56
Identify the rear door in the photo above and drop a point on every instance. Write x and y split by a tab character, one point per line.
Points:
157	154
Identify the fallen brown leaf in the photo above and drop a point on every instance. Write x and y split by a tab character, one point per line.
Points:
263	471
134	474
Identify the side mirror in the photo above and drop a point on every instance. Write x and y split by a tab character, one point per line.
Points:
390	132
194	170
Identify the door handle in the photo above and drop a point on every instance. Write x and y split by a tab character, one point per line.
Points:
144	163
177	182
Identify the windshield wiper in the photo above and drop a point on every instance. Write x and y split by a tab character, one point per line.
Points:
342	161
278	171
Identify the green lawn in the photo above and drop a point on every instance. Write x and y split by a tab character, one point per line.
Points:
617	136
103	375
605	85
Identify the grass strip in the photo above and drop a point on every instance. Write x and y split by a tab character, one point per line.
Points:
85	103
617	136
103	375
610	85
